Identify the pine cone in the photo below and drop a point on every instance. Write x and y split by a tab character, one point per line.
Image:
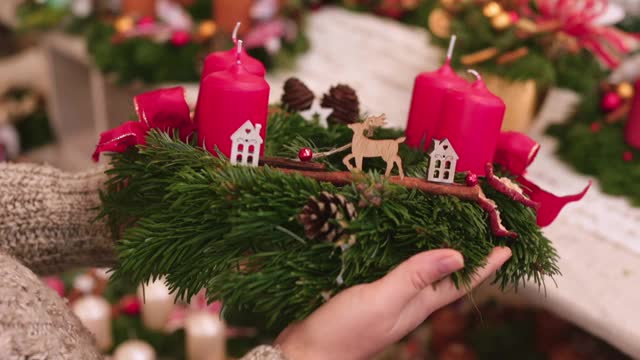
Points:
344	102
326	216
297	96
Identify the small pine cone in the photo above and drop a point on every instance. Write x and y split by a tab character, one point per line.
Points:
326	216
297	96
344	102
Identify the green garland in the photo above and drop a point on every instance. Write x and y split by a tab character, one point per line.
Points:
599	151
203	223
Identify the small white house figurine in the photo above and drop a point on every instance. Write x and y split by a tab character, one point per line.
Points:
442	165
245	144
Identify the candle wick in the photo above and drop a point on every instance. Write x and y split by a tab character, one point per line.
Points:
452	45
476	74
239	47
234	35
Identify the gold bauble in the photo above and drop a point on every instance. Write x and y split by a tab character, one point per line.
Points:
207	29
123	24
492	9
440	23
501	21
625	90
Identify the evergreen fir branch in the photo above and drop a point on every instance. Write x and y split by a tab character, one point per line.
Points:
203	223
599	153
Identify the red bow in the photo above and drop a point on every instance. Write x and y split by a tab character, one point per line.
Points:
163	109
516	151
576	19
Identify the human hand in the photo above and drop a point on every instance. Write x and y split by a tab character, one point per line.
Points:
364	319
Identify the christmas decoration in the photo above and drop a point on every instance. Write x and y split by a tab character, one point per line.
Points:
95	314
442	162
610	127
428	99
326	217
345	104
134	349
245	144
232	96
205	337
297	96
157	303
305	154
471	179
363	147
524	47
271	235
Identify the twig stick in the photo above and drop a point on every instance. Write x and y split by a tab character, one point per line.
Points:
331	152
472	193
341	178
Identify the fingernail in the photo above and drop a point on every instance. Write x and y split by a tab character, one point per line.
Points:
451	263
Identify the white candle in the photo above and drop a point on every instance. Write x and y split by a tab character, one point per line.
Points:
157	304
205	336
95	314
134	350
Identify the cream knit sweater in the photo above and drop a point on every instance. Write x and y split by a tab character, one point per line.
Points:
47	226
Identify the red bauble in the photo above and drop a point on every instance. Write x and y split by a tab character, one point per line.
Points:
471	179
180	38
610	101
627	156
305	154
595	127
55	283
130	305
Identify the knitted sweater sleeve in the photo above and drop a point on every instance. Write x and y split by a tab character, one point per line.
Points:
47	218
47	225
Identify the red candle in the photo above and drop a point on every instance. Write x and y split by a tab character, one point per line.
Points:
222	60
228	99
427	101
632	129
471	120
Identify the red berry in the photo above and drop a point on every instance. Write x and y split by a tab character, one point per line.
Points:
611	101
305	154
471	179
595	127
180	38
130	305
627	156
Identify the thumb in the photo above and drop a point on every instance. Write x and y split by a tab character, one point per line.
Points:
415	274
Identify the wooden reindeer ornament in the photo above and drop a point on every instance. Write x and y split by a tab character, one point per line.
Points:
363	147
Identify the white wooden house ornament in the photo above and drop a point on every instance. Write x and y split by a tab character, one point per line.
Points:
442	163
245	144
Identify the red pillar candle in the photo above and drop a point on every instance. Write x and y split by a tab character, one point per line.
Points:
222	60
139	8
427	101
471	120
228	99
632	128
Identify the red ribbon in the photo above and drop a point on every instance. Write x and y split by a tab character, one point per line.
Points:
576	19
516	151
163	109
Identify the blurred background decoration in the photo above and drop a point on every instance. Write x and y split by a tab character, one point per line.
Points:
155	41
